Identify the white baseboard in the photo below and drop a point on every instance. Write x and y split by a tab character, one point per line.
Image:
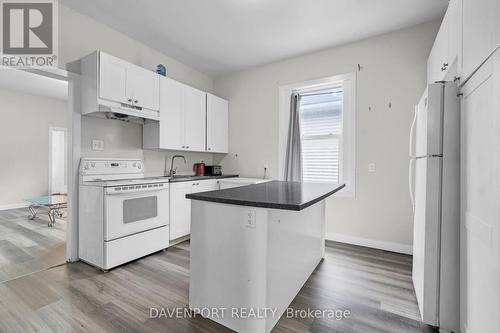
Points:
14	206
375	244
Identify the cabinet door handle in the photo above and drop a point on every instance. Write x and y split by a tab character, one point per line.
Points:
208	148
130	99
136	101
187	147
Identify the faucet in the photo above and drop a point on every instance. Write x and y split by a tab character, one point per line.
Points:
172	171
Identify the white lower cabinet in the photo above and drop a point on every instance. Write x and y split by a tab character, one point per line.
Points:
180	207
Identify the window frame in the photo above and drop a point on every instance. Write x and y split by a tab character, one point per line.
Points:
347	165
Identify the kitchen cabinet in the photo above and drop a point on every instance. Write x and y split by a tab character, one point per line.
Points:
444	55
113	79
480	192
217	124
111	84
182	119
195	119
481	32
127	83
180	207
144	87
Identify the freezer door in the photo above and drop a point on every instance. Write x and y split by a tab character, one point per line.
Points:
428	138
426	236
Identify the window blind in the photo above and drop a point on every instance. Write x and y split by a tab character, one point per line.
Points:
321	135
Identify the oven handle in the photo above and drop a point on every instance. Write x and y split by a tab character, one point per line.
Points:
156	189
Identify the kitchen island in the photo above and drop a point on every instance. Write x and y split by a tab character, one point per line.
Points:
253	248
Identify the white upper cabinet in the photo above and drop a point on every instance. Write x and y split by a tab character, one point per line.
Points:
123	82
171	126
217	124
113	85
144	87
194	118
445	52
481	31
113	79
182	123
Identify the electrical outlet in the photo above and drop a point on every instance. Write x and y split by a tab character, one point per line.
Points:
250	219
97	145
372	167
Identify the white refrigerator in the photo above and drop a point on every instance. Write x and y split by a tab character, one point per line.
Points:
435	193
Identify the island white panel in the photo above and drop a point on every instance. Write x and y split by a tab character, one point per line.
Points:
259	261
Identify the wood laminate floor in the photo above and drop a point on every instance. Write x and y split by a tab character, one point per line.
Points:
375	286
28	246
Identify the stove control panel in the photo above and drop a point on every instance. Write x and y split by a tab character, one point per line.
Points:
94	166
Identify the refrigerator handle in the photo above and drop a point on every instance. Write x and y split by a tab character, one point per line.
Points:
411	182
412	134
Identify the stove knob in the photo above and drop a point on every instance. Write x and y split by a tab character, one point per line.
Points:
86	166
93	164
139	166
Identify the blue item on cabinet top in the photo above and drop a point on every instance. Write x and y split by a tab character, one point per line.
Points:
160	69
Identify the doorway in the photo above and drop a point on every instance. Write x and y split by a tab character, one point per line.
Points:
36	138
58	160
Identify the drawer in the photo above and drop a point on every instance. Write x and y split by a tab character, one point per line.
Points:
123	250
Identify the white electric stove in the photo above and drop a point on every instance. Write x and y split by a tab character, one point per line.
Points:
122	214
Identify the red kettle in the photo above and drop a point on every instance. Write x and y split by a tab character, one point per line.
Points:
199	169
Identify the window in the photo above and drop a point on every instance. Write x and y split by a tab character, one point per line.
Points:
320	117
327	117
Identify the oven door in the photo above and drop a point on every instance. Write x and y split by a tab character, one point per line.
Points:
131	212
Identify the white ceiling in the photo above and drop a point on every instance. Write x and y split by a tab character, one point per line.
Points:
220	36
33	84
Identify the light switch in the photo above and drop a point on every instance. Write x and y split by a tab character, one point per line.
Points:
250	219
97	145
372	167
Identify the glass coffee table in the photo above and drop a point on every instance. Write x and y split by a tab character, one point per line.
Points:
54	203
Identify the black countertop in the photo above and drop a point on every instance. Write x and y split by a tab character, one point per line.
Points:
274	194
179	179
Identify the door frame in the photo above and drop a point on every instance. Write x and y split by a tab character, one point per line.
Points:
73	125
51	130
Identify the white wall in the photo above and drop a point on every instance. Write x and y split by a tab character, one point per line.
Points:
80	35
124	140
24	144
393	71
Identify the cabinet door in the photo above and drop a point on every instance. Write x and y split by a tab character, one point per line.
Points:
113	79
171	114
481	31
205	185
439	54
180	209
195	118
143	86
217	124
480	165
454	30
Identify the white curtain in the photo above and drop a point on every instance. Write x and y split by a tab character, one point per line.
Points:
293	159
